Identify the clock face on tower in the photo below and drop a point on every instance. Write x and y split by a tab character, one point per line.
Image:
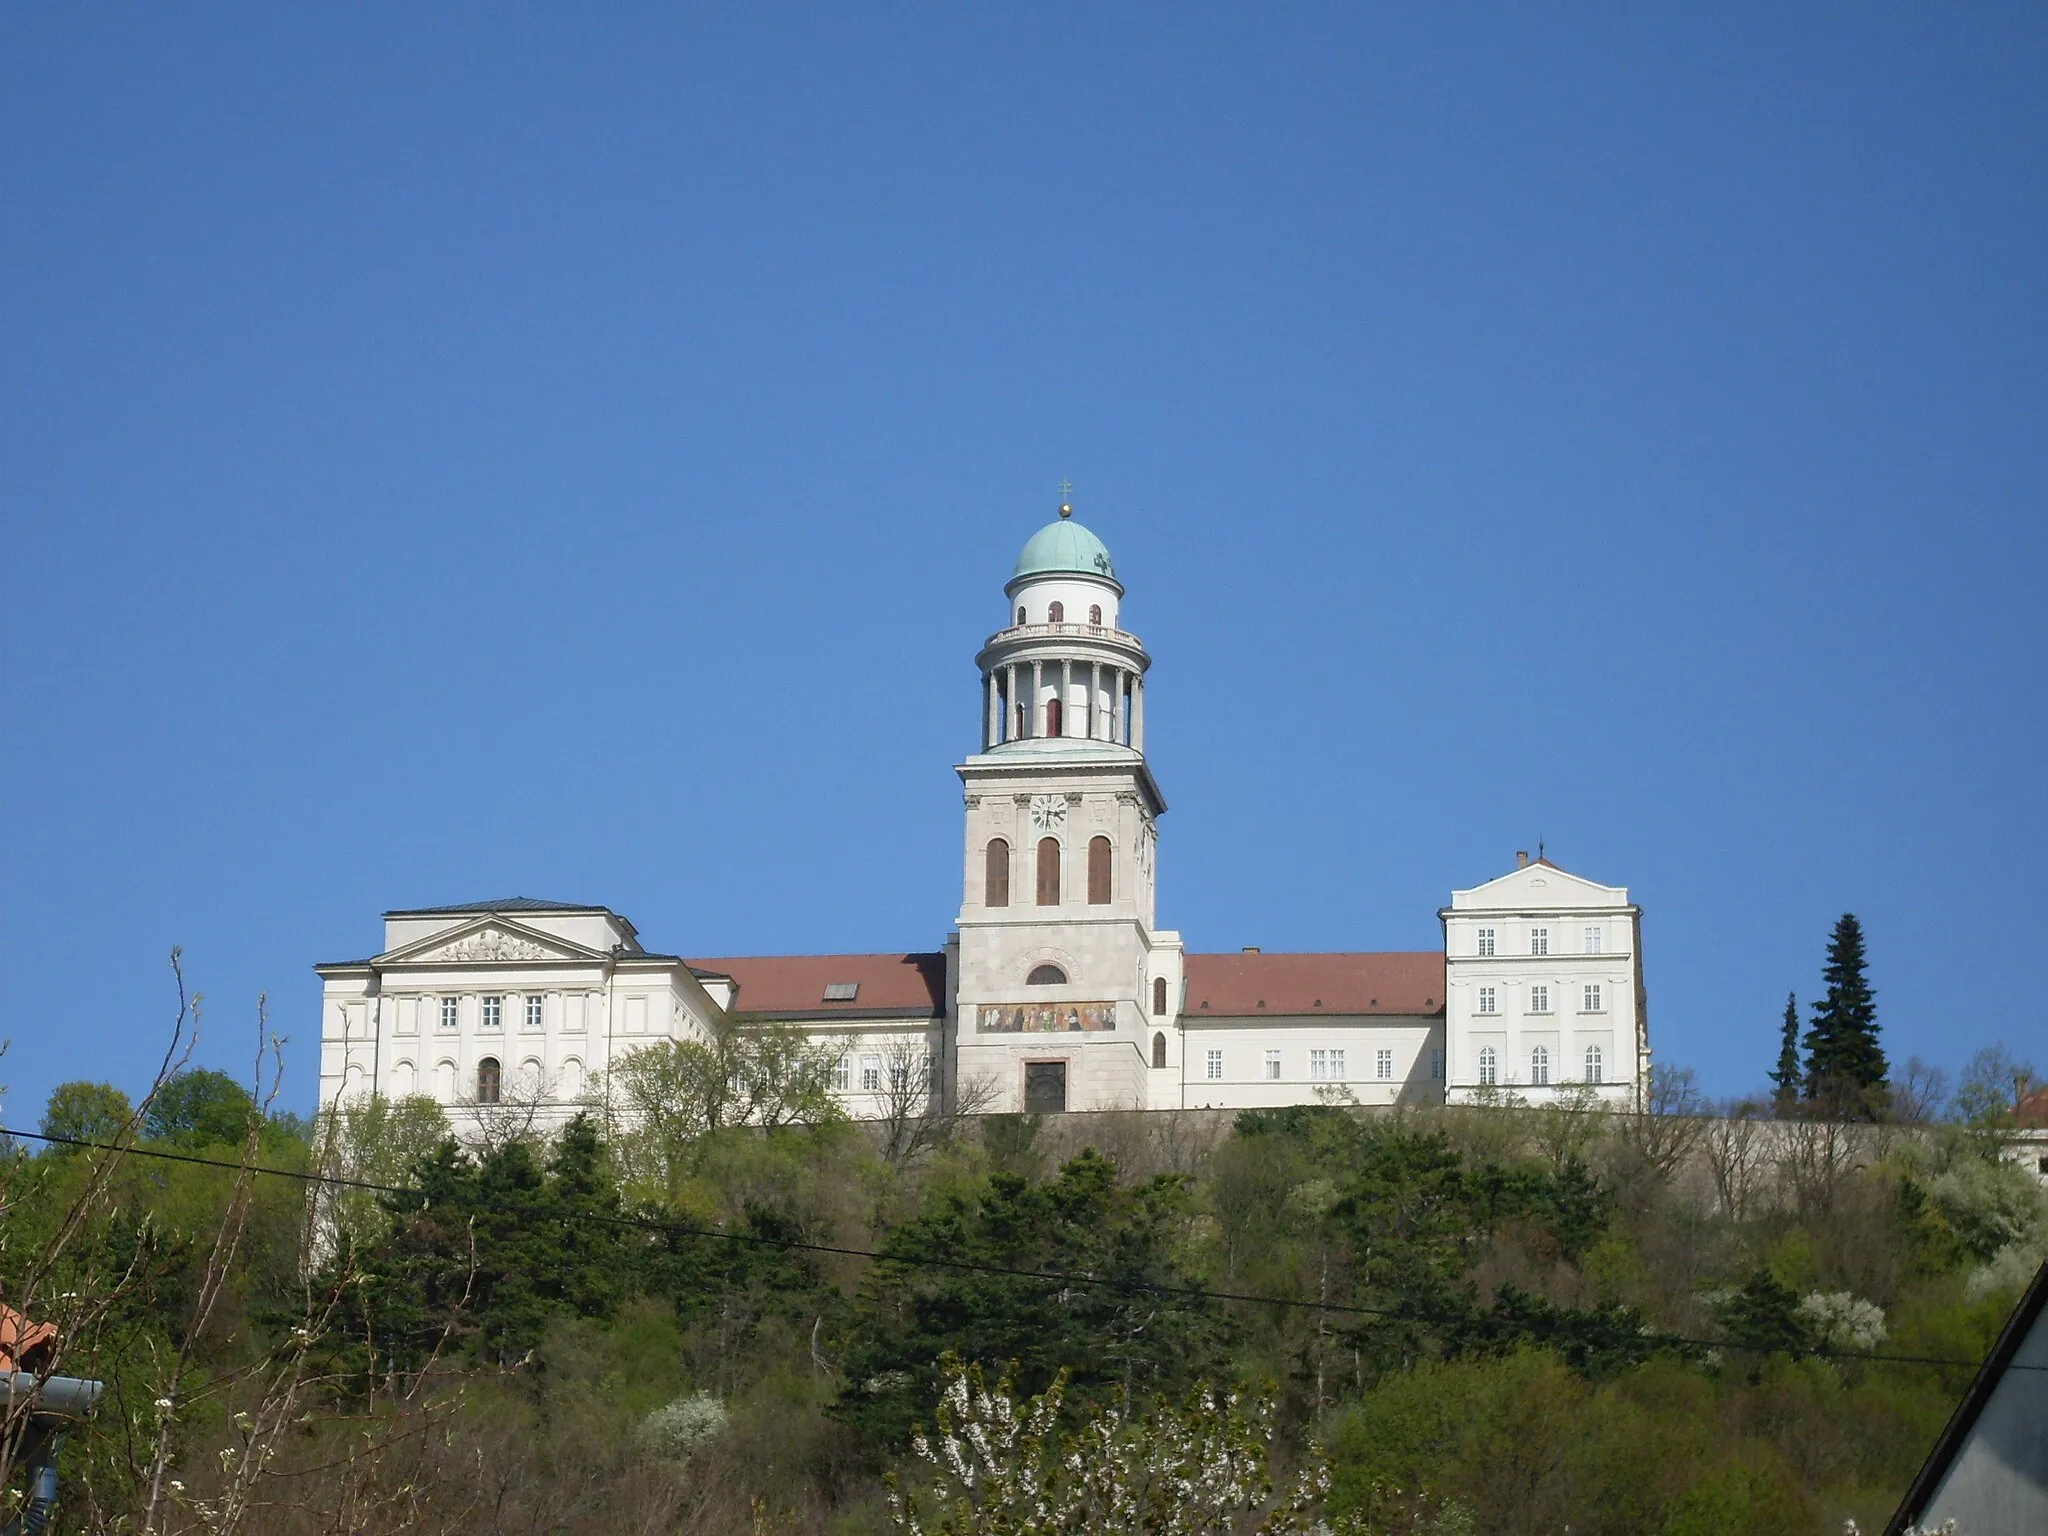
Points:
1048	812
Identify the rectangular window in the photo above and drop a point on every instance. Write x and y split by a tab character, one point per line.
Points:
842	1075
494	1012
1594	938
1436	1065
1213	1066
1539	999
1539	941
1272	1066
451	1012
1489	1000
1383	1066
1593	998
1486	941
871	1074
1318	1065
534	1013
1337	1065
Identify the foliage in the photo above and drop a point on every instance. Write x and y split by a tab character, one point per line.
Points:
1992	1086
1195	1467
1844	1061
87	1112
1787	1076
200	1108
678	1428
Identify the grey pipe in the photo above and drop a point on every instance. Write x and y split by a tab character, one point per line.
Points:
53	1403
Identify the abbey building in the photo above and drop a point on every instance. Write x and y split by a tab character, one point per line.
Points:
1056	989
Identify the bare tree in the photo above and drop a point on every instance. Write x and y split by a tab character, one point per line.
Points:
914	1111
1665	1129
1733	1146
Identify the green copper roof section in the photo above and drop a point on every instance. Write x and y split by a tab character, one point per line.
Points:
1064	547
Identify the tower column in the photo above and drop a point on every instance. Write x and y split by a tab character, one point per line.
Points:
1010	731
994	701
1037	699
1116	705
1137	712
1094	692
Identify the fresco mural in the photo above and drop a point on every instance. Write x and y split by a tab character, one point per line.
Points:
1044	1018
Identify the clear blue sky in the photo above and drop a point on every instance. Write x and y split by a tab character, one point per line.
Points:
450	451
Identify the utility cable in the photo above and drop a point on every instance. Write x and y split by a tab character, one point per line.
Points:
933	1261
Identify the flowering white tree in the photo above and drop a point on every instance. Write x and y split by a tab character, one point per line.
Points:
1194	1468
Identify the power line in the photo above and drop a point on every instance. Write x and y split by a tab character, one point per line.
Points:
933	1261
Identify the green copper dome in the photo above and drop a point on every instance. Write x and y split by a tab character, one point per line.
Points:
1064	547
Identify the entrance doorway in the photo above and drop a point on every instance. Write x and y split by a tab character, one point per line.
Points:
1045	1087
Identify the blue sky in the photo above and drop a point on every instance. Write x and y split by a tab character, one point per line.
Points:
450	451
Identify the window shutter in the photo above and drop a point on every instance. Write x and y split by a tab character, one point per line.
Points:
1048	872
996	875
1098	872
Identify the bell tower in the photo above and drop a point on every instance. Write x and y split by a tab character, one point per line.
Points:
1060	965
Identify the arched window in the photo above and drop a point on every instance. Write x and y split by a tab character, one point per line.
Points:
1056	614
1098	871
1595	1065
1095	614
1159	1049
530	1074
995	886
571	1084
1159	996
405	1081
488	1080
1023	722
1020	613
1054	718
1489	1066
1539	1067
1046	976
1048	871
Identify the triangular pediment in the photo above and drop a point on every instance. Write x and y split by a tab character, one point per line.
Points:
490	940
1542	884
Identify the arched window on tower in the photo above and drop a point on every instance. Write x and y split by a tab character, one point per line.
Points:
1159	1049
1046	976
1055	718
1095	614
1048	871
489	1080
1020	613
1023	722
1056	614
1098	871
995	891
1159	996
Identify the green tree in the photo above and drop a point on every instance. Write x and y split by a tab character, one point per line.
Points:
1993	1084
86	1112
200	1108
1787	1078
1844	1062
1107	1335
1763	1317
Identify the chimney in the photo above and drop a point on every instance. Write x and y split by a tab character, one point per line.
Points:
1251	949
1521	858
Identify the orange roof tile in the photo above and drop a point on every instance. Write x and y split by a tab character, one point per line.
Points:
1249	985
786	984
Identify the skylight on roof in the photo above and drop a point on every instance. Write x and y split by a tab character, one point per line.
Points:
841	991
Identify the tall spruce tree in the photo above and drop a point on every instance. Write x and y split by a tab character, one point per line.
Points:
1843	1058
1786	1080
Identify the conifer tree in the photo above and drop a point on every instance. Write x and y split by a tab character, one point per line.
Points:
1785	1081
1843	1057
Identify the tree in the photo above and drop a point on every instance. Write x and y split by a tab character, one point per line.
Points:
673	1093
1845	1065
913	1111
1786	1080
87	1112
1993	1084
200	1108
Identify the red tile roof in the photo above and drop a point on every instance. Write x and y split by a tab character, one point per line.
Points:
2032	1111
1250	985
786	984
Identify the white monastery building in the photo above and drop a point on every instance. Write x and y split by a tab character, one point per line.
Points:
1057	989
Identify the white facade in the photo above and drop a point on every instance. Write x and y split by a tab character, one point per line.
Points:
1056	988
1544	980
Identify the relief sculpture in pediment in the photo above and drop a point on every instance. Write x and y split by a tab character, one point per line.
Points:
490	944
